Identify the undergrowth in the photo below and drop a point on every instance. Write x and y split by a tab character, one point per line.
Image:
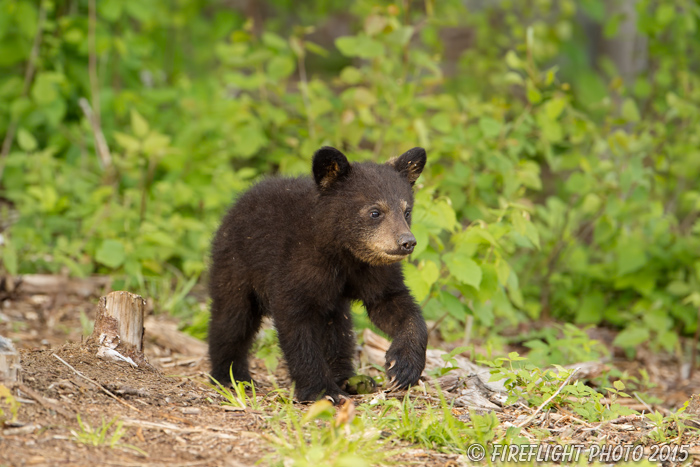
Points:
100	436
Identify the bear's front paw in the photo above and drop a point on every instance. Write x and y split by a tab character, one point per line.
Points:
404	366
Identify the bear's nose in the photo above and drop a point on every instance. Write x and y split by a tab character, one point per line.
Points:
407	242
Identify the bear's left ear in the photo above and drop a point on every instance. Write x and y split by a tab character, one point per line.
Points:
329	165
410	164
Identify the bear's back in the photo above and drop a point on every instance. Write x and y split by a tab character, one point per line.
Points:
266	222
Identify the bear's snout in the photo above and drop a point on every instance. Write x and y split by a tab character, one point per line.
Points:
407	242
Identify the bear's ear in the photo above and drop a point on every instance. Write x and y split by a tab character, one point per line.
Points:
410	164
329	165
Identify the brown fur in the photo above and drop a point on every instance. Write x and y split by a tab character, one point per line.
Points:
301	250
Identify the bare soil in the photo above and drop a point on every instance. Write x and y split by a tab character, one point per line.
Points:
174	419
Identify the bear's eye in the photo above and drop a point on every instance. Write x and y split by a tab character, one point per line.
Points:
374	214
407	214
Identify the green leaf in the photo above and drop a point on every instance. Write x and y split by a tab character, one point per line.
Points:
274	41
533	94
280	67
513	61
591	309
665	14
9	258
490	128
111	10
630	111
401	36
423	134
453	305
415	282
249	139
127	142
315	49
430	272
363	97
351	75
464	269
532	234
43	90
441	122
374	24
359	46
111	253
26	17
631	337
139	125
554	108
26	141
630	256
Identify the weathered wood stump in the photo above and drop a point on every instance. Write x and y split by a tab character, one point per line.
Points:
9	362
119	327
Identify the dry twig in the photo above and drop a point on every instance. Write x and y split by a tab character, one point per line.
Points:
102	388
529	419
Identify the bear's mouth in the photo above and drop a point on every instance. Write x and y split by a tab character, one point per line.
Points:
395	255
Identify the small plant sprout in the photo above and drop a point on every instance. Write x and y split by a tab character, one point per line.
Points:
99	436
238	397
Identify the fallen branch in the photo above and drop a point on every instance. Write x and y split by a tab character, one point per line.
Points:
529	419
102	388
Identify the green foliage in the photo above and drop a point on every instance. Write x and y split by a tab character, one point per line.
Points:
563	345
433	426
99	436
238	397
9	407
267	349
671	427
325	436
557	186
523	380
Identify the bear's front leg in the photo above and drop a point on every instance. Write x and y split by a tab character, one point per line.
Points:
398	315
301	339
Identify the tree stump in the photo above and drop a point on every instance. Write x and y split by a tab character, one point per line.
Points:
119	328
9	362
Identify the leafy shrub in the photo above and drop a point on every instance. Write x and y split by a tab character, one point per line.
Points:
555	188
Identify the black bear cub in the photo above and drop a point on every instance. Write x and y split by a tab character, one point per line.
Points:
300	250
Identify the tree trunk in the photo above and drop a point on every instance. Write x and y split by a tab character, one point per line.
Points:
119	327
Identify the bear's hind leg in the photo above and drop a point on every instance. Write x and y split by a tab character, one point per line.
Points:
235	320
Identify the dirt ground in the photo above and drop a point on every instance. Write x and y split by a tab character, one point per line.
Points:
173	418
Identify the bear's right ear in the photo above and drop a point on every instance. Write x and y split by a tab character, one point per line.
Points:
329	165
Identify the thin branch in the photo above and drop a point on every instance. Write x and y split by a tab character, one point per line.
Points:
28	77
105	157
102	388
92	62
636	394
694	349
551	398
304	85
